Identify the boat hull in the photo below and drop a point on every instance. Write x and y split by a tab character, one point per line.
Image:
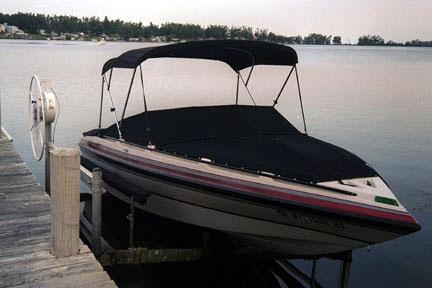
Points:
277	227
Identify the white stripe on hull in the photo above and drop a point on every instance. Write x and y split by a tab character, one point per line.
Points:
261	225
268	235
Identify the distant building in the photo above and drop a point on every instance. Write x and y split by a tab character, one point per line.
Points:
20	33
41	31
11	29
2	28
158	39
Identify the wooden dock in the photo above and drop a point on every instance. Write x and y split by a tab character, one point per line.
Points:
25	234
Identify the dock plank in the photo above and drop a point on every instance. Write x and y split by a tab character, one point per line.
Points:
25	234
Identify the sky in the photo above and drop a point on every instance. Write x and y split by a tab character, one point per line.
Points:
398	20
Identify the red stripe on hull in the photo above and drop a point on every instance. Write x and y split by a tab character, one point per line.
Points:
407	218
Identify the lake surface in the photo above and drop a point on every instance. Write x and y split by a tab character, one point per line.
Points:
373	101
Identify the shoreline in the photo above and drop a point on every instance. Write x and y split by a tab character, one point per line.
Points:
102	42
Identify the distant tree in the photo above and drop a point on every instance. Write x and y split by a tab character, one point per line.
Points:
94	26
150	31
106	26
261	34
317	39
337	40
298	39
392	43
176	31
241	33
371	40
418	43
216	32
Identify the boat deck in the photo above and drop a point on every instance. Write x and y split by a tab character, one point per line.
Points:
25	234
250	138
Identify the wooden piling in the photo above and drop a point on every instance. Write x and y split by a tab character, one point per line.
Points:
65	201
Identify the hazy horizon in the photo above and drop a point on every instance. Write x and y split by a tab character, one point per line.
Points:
397	20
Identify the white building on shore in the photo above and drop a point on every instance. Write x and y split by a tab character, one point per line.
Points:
13	30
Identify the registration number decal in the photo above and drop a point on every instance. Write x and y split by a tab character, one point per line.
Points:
312	219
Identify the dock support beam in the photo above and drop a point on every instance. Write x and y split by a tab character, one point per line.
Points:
96	187
47	147
313	276
131	218
345	271
65	201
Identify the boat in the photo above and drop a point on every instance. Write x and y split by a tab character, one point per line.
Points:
242	169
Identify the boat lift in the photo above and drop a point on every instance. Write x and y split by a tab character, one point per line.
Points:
44	111
108	256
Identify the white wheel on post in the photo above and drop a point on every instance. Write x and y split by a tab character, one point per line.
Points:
42	111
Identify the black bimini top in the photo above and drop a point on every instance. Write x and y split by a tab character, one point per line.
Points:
238	54
252	138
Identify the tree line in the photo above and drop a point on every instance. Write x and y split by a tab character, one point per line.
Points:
32	23
94	26
376	40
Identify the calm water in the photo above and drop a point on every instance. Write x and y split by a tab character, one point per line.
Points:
375	102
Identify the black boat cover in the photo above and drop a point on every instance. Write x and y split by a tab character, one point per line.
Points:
238	54
253	138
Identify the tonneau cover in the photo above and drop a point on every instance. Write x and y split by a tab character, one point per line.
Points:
253	138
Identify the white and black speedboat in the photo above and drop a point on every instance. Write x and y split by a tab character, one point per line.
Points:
242	169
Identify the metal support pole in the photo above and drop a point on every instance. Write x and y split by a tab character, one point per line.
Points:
0	115
113	109
283	87
47	147
313	276
109	79
148	128
101	103
247	89
301	101
345	272
238	82
131	218
96	187
250	74
127	97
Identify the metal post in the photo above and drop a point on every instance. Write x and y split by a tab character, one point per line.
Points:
113	108
96	187
148	128
238	82
0	116
47	147
131	218
250	74
313	276
283	87
101	103
127	97
301	101
345	272
247	89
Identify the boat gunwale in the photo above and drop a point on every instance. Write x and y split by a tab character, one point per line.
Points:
227	166
408	226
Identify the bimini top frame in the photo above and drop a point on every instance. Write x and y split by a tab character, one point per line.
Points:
231	52
238	54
